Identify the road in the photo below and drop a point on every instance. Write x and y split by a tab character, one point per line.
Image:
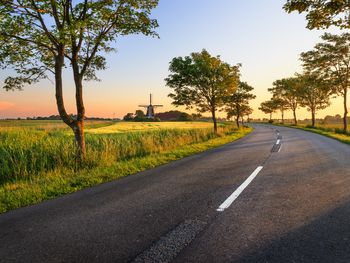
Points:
294	207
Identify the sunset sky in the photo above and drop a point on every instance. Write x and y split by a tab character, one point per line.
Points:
258	34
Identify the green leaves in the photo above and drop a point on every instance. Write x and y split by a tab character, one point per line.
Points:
331	61
237	104
322	13
202	81
286	91
268	106
33	33
314	93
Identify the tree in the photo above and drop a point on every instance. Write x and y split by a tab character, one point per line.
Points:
268	107
287	89
129	117
202	81
185	117
314	94
322	13
281	105
248	111
139	115
196	116
42	37
331	60
237	104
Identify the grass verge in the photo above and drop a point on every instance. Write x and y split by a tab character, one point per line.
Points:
328	132
49	185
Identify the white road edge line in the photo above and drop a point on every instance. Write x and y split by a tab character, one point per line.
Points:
278	141
239	190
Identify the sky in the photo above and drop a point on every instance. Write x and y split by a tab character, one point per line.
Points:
259	34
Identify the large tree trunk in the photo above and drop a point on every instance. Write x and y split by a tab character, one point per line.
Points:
282	115
313	118
59	62
76	125
237	121
345	121
78	128
270	116
214	120
295	117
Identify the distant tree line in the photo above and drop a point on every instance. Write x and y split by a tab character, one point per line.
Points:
58	117
326	74
326	68
139	116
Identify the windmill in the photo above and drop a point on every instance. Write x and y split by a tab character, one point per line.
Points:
150	108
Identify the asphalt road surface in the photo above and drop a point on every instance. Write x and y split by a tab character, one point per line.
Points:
277	195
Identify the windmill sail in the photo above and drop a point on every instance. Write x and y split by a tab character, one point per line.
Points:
150	108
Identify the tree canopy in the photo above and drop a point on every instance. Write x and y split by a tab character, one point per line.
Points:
281	104
322	13
237	104
202	81
268	107
32	33
331	61
314	94
287	89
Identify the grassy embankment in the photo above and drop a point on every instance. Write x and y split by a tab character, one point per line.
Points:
334	131
37	159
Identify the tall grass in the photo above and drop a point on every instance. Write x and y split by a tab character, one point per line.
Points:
25	153
126	153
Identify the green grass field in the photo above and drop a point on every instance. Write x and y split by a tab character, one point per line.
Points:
37	159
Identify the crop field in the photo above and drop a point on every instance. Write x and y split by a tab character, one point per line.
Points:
26	148
100	127
37	158
122	127
7	125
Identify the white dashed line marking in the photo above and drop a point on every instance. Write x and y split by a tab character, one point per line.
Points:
239	190
280	148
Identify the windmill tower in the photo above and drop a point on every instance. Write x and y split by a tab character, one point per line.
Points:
150	108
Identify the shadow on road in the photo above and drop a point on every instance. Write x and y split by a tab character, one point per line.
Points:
325	239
